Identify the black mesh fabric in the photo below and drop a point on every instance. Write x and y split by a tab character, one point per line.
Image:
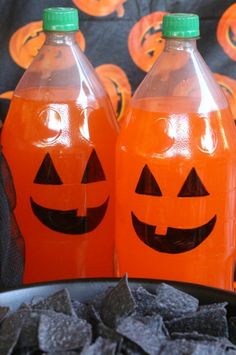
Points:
12	249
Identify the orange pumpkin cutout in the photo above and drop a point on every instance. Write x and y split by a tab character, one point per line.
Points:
101	7
67	221
229	87
176	240
27	41
226	31
145	40
117	86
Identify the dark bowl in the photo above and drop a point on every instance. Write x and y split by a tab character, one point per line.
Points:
85	289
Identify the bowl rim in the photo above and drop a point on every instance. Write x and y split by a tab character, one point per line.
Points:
131	280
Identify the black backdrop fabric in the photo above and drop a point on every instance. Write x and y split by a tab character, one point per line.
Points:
120	38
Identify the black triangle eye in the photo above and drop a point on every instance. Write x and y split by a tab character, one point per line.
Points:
93	171
193	187
147	184
47	173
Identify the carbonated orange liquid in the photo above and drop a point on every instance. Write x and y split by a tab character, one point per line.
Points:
176	177
61	158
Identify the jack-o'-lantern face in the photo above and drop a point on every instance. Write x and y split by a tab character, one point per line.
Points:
117	86
228	85
226	32
145	40
176	240
101	7
27	41
68	221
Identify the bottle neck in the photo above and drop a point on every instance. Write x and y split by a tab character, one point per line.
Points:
177	44
60	38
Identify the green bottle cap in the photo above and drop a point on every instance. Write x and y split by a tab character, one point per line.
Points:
180	26
60	19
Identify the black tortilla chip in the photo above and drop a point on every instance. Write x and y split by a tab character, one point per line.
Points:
80	309
211	322
96	302
187	347
232	329
62	353
155	324
100	347
12	321
212	306
118	303
3	313
130	348
146	302
173	303
62	332
140	334
58	302
29	332
8	341
205	338
108	333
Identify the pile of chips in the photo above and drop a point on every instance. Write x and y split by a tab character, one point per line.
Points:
119	321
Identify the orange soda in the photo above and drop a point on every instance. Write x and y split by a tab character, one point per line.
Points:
59	141
176	170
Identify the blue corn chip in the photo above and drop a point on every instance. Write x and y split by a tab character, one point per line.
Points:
130	348
3	312
194	336
27	351
118	303
100	347
232	329
62	353
58	302
173	303
93	316
12	321
8	341
140	334
211	322
108	333
62	332
155	324
146	302
213	306
187	347
206	339
29	332
96	302
80	309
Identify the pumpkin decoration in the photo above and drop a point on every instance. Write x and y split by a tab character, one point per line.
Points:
175	240
27	40
226	31
117	86
101	7
229	87
67	221
145	40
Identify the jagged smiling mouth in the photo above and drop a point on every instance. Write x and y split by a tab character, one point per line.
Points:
68	221
176	240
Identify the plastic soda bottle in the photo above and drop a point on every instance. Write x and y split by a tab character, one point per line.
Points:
59	142
176	169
